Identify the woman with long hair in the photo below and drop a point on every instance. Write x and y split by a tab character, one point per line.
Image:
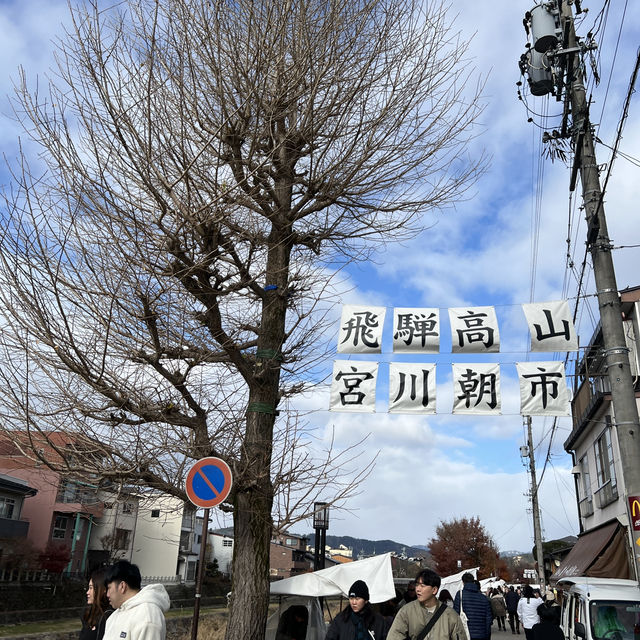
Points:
528	610
445	596
98	608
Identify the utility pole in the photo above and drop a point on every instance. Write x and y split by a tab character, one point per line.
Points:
537	529
615	347
564	58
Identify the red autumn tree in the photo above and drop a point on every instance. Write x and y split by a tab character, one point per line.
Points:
465	540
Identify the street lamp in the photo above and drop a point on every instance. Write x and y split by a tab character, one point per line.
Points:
320	524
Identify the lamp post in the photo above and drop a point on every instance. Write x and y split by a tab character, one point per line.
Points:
320	524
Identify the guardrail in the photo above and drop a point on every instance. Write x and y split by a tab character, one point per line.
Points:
25	575
59	613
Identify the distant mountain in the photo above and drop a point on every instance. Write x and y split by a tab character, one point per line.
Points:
362	547
513	554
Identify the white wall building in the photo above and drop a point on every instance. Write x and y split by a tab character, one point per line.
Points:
154	531
157	536
604	545
221	544
112	534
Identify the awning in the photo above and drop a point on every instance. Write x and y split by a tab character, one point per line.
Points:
599	553
335	581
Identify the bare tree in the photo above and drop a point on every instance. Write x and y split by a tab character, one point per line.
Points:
167	273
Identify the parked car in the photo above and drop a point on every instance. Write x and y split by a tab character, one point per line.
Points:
600	608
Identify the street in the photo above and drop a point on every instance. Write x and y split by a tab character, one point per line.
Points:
505	634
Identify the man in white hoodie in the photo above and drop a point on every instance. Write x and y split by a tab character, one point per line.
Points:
139	613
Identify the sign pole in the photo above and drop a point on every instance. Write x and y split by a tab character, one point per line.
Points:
201	560
208	483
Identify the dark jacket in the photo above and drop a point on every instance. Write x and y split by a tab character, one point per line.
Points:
554	608
343	628
511	598
547	631
478	610
87	633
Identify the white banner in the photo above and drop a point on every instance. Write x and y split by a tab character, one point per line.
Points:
353	386
476	388
361	329
551	326
412	388
416	330
474	330
543	389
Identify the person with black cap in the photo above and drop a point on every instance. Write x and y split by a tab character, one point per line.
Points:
358	621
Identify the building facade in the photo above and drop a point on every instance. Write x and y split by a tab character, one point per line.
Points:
74	527
604	544
288	556
62	513
221	545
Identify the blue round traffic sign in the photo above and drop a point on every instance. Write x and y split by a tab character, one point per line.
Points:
209	482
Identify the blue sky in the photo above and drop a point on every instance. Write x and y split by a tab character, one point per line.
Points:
478	253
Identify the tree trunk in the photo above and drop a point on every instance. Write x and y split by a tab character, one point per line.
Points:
254	497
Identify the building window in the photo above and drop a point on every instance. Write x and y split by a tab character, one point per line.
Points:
127	507
155	513
60	525
191	570
188	518
7	505
586	502
185	540
199	538
70	492
121	539
608	491
227	542
604	458
291	542
585	477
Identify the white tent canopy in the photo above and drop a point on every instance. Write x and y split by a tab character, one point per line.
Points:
335	581
453	583
492	583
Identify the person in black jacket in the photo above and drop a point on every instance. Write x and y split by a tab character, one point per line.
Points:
98	608
512	609
547	628
476	606
358	621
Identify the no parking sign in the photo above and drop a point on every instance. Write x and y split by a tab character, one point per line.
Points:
209	482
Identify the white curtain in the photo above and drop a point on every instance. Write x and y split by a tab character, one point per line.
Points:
412	388
353	386
551	326
416	330
361	329
474	330
476	388
543	389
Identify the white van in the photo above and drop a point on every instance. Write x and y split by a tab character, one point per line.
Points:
600	608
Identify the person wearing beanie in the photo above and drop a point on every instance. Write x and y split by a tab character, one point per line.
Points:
358	621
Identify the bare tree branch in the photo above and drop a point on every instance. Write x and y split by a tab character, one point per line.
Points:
163	267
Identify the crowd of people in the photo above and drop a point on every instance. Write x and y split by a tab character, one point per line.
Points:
425	611
119	607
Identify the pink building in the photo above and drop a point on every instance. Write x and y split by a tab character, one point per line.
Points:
61	514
